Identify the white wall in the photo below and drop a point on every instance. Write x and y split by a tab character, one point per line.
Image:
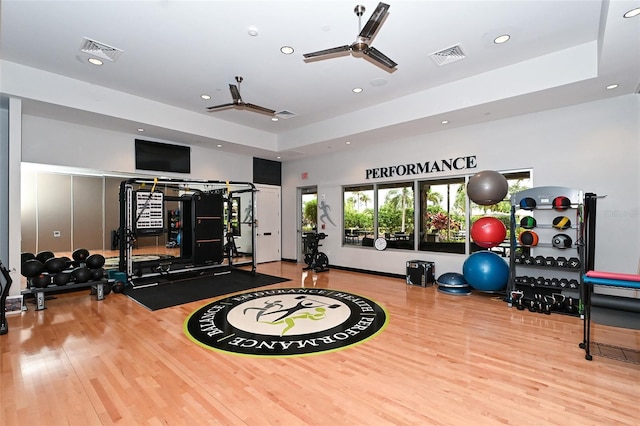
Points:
46	141
593	147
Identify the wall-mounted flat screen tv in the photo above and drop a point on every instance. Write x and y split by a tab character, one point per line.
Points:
162	157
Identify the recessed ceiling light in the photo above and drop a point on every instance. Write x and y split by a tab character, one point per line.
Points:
287	50
632	13
502	39
140	129
205	96
253	31
219	145
348	142
357	89
278	157
95	61
444	122
274	118
611	86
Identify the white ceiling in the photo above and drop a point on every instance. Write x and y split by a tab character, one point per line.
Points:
560	53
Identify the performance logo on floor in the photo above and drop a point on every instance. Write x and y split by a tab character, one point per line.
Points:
286	322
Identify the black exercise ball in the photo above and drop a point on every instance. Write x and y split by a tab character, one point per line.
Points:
55	265
561	222
31	268
80	255
95	261
528	203
97	274
26	256
528	238
81	274
62	278
528	222
43	256
118	287
41	280
561	203
561	241
68	262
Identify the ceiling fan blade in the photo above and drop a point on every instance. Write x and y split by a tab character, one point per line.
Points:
327	51
379	57
235	94
374	22
211	108
258	108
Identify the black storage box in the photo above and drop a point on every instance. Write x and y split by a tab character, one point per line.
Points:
421	272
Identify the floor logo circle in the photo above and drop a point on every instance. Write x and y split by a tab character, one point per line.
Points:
286	322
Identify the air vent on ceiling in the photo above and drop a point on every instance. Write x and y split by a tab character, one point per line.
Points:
448	55
100	50
284	114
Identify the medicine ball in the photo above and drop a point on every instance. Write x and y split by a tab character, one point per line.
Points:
43	256
95	261
97	274
528	203
81	274
528	238
561	241
54	265
118	287
69	262
80	255
26	256
528	222
31	268
41	280
561	222
62	278
561	203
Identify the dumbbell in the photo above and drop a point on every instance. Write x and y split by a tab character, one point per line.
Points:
539	282
527	260
549	261
518	258
573	283
538	260
574	263
561	262
564	283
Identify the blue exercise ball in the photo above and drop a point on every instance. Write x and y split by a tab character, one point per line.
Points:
486	271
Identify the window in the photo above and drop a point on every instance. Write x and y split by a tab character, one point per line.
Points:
358	214
395	214
444	213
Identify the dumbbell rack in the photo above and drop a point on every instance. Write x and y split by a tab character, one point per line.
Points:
544	278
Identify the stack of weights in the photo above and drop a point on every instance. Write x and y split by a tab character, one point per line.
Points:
453	283
45	269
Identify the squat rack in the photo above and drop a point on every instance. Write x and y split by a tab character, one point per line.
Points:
142	213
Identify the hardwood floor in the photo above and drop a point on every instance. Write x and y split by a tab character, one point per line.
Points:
442	360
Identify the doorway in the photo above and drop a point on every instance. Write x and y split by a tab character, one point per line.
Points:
307	215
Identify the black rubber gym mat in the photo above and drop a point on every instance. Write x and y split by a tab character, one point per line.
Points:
166	294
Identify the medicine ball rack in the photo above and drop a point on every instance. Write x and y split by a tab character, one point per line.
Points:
205	224
546	277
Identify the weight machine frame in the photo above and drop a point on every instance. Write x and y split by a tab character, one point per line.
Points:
165	267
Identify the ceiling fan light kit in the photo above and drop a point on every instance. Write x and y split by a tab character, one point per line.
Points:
361	44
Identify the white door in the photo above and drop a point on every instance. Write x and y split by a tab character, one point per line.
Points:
268	226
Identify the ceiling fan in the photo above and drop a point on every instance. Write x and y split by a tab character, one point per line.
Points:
361	45
239	103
